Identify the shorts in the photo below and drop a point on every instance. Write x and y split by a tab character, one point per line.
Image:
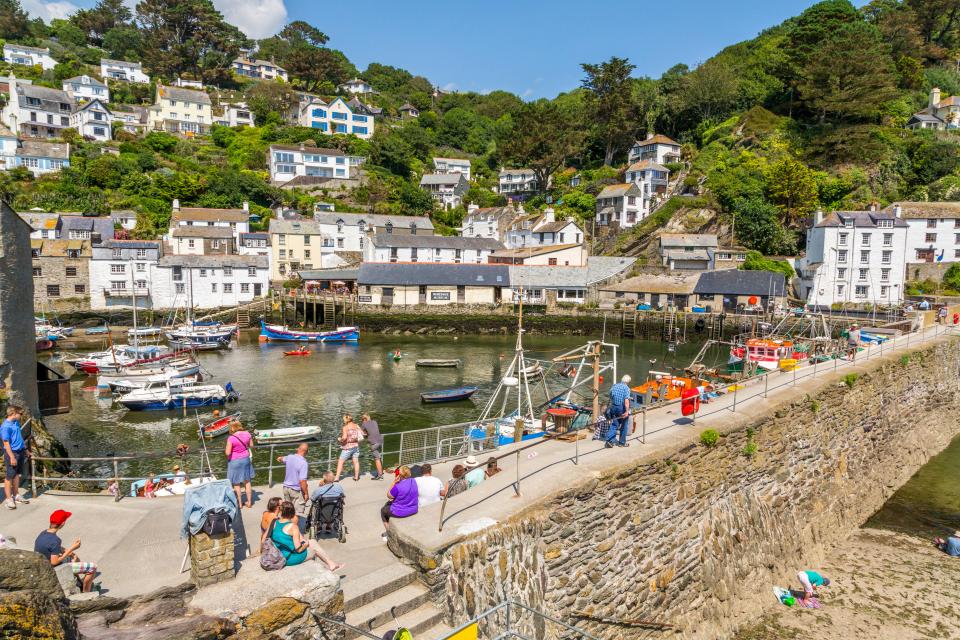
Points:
376	450
296	497
346	454
16	469
82	568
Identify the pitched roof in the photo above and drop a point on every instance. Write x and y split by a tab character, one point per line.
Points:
406	106
187	95
40	149
255	235
42	93
202	214
921	210
93	82
24	47
529	252
40	221
218	260
90	104
58	248
658	139
554	227
647	164
860	219
329	274
258	62
496	212
425	273
373	219
735	282
456	160
202	231
355	104
124	63
618	190
304	226
132	244
522	172
121	214
442	178
688	240
95	224
597	269
657	283
925	116
323	151
434	242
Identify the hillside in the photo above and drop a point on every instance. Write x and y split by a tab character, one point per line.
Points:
810	113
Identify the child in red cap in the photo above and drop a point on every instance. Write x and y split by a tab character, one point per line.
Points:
49	545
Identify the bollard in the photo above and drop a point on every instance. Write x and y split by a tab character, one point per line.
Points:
516	487
735	388
576	446
766	384
270	468
116	474
794	375
644	435
33	478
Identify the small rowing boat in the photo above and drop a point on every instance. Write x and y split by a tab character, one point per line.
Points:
447	395
286	435
297	352
437	363
169	485
219	426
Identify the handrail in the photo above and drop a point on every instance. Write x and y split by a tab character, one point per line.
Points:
509	620
809	369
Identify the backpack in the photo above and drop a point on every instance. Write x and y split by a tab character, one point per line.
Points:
271	559
217	522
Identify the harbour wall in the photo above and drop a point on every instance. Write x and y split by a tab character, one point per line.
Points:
696	536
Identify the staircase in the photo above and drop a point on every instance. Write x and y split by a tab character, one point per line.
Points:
669	325
392	598
716	327
329	314
629	328
243	319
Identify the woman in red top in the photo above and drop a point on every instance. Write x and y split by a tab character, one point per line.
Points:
239	449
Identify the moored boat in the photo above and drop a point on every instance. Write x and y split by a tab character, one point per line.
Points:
447	395
139	377
117	358
170	484
662	387
218	427
766	353
279	333
286	435
174	394
439	363
298	352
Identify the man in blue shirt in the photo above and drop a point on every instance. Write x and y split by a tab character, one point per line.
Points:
295	482
15	455
329	488
619	413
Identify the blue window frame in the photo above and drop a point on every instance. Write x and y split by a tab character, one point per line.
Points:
319	125
319	113
341	160
360	130
341	128
357	118
283	157
336	115
341	173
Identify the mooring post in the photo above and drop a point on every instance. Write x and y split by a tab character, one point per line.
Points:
766	383
735	387
644	435
516	487
33	477
116	476
270	468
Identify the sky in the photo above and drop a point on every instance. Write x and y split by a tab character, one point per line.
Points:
532	48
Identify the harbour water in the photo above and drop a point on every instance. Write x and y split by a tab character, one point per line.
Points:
278	391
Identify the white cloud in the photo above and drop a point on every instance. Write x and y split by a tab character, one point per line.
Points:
450	86
256	18
49	10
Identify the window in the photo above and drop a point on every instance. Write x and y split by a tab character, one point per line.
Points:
71	272
244	287
888	239
885	275
336	115
53	291
281	239
393	254
306	240
552	262
213	287
203	273
360	130
306	253
37	272
76	234
357	118
458	255
252	272
864	256
842	257
118	268
228	272
956	253
885	224
388	228
930	237
141	266
214	244
842	273
339	243
140	284
228	287
341	128
956	238
178	287
191	243
884	290
843	239
932	223
79	288
99	131
286	158
141	253
319	113
886	257
840	289
73	253
863	273
283	253
860	291
413	254
865	239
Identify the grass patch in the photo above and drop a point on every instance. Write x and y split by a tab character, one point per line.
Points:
709	437
851	379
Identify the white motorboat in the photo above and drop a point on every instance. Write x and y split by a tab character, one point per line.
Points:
178	484
118	358
139	377
177	394
286	435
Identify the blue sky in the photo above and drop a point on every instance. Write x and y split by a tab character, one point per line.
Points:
532	48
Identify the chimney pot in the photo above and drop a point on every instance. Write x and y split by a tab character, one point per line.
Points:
246	206
934	98
548	214
650	135
897	211
176	204
472	207
818	216
873	206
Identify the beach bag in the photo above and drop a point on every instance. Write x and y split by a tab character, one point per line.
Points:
217	523
271	559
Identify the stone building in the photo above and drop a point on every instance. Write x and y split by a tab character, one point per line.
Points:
18	356
61	274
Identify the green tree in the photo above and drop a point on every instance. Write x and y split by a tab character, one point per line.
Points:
756	262
271	102
849	76
13	20
757	226
793	188
951	278
710	90
95	23
299	49
188	36
124	43
67	33
541	138
610	104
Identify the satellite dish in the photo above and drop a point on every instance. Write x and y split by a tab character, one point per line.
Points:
510	381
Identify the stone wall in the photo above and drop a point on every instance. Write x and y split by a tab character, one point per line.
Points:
696	537
211	558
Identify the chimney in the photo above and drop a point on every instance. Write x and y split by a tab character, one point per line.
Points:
934	98
176	204
472	207
548	215
301	146
570	219
873	205
897	211
818	216
246	206
650	135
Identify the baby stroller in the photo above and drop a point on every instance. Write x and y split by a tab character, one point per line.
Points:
326	516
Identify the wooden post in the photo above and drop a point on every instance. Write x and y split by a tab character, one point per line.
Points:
596	382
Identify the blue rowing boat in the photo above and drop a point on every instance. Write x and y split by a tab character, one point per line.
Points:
282	334
447	395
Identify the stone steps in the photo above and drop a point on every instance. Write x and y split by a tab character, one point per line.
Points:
424	617
363	590
389	598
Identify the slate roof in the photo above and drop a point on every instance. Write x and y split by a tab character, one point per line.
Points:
132	244
618	190
860	219
411	274
681	254
187	95
58	248
306	149
122	63
40	149
668	240
202	214
496	212
434	242
329	274
442	178
23	47
373	219
123	214
102	225
735	282
230	260
553	227
518	172
597	269
529	252
406	106
202	231
255	235
647	164
87	80
40	221
42	93
656	283
923	210
303	226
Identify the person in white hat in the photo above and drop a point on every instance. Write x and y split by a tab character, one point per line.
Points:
475	473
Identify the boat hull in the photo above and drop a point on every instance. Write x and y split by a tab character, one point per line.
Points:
277	333
439	364
173	403
285	436
451	395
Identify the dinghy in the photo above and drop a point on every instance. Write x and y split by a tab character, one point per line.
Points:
437	363
447	395
286	435
218	427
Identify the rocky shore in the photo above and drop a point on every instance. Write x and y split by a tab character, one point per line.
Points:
884	586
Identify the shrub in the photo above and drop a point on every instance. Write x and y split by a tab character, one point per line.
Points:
851	379
905	360
709	437
750	449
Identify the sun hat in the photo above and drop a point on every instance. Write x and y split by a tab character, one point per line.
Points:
59	516
471	462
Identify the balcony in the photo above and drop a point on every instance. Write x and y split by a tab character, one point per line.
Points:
126	293
183	127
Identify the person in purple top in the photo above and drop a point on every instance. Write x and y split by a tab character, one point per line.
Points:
402	499
295	482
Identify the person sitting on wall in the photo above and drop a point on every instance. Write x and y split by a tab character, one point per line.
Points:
50	546
950	546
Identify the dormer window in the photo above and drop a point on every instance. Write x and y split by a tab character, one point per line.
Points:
362	226
413	229
388	227
848	222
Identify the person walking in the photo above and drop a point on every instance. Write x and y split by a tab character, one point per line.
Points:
350	436
853	341
295	489
619	413
372	432
50	546
15	454
239	452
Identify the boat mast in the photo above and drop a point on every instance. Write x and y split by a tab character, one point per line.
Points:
133	295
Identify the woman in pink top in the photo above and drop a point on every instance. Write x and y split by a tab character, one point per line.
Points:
349	446
238	450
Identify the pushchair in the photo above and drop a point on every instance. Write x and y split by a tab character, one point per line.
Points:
326	516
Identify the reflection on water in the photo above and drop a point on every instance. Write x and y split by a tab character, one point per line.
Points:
278	391
929	504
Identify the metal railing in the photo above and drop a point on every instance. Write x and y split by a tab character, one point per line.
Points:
742	391
511	619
